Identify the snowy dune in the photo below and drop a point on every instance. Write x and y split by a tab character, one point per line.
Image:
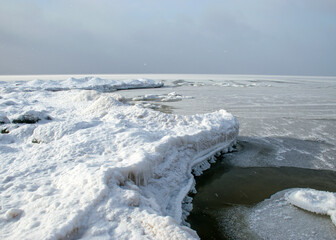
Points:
86	165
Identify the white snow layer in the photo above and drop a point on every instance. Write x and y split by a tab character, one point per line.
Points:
88	166
315	201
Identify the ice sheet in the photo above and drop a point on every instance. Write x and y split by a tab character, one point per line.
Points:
85	165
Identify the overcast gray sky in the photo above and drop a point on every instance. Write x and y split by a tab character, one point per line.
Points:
294	37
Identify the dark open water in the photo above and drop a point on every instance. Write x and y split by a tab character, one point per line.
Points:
223	187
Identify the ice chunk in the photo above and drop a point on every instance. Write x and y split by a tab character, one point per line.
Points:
312	200
170	97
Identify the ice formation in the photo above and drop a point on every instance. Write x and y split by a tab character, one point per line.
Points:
315	201
170	97
94	167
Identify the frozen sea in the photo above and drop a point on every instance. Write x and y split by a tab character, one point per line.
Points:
111	156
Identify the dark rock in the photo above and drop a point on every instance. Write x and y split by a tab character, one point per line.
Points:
31	117
4	131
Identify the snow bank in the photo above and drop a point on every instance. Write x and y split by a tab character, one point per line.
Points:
320	202
98	168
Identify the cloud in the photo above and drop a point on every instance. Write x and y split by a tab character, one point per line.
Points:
82	36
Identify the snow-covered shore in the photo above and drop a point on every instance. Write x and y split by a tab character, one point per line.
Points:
87	165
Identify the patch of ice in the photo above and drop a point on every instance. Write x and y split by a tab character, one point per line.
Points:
170	97
315	201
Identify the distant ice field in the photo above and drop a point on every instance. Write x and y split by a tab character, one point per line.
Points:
82	157
296	115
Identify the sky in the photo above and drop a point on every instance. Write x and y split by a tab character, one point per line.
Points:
280	37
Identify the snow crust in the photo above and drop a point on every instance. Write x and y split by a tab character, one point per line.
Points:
321	202
91	166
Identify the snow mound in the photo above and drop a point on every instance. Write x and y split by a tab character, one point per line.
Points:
315	201
101	168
